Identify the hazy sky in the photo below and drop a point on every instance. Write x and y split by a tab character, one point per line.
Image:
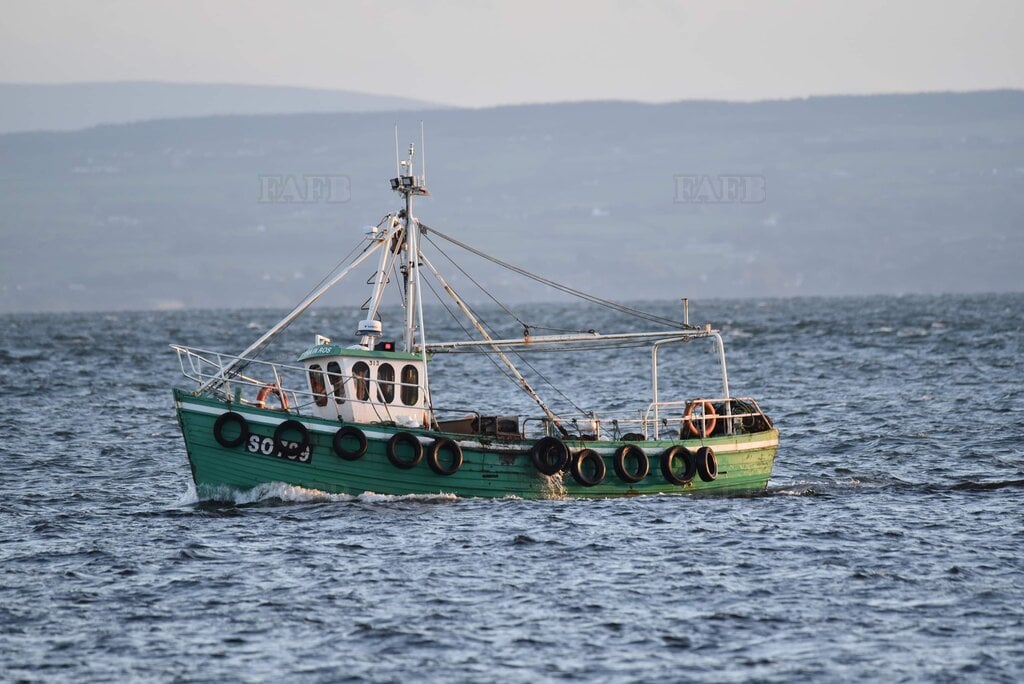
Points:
485	53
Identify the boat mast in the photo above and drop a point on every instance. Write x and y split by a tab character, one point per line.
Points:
408	184
410	270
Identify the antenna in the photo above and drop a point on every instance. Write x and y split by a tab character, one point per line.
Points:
423	154
398	165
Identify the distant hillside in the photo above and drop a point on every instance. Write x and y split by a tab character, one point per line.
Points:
34	107
824	196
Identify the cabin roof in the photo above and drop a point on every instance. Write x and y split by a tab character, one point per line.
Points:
323	350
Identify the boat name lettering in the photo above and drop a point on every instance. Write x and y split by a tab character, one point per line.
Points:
323	349
265	446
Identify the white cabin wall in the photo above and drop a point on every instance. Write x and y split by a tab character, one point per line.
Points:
372	409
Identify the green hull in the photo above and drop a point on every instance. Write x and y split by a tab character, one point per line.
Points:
494	469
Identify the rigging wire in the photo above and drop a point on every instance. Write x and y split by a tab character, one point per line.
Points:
398	279
504	308
527	327
615	306
525	362
490	353
503	371
342	262
545	350
426	233
255	354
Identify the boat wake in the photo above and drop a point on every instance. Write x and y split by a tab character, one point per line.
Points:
279	493
387	498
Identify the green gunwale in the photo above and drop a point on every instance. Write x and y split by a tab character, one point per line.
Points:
321	350
491	468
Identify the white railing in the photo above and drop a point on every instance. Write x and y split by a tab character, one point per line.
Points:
216	371
696	423
739	414
205	368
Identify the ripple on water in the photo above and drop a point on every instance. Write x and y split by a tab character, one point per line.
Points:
887	546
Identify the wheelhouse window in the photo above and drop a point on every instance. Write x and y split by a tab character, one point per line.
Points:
316	385
386	383
337	381
361	378
410	385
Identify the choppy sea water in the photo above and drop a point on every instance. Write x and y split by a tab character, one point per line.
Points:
889	546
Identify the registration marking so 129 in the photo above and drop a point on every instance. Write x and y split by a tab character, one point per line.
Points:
265	445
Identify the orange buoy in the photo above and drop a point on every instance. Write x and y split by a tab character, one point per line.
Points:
266	391
707	423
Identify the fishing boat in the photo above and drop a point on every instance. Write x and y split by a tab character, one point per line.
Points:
359	417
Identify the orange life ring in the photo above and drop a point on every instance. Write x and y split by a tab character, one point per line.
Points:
707	425
266	391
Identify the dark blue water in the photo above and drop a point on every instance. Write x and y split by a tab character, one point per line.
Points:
888	547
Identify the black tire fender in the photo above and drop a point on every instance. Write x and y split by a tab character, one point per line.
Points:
409	439
668	465
434	452
230	417
338	443
622	454
549	455
577	464
707	464
285	447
